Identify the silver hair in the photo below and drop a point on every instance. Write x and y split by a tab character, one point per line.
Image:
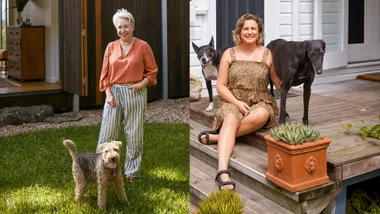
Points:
122	13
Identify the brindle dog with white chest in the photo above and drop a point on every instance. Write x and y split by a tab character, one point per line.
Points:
209	59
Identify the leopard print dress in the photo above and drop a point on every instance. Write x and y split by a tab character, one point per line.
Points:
248	82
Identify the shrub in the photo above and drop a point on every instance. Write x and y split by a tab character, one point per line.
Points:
222	202
361	203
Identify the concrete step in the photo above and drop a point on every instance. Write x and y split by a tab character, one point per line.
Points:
248	165
202	184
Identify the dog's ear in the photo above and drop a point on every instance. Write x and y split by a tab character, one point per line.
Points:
117	143
306	44
212	42
195	47
101	146
323	44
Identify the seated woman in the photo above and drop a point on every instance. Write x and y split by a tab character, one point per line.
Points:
246	104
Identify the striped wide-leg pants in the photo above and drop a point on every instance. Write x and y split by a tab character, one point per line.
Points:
129	111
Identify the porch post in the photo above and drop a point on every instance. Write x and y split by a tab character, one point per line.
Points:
75	103
164	19
318	19
295	20
272	19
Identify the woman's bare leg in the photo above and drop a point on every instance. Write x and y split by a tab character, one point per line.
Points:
226	144
253	122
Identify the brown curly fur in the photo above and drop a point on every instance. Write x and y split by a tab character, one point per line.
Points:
101	168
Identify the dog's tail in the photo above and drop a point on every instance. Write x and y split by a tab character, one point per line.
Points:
72	148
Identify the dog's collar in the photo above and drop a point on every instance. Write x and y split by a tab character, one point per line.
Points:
105	165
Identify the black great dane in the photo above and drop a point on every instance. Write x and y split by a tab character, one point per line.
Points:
296	63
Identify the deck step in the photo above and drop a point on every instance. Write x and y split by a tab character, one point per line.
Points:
193	208
248	165
199	114
204	120
202	184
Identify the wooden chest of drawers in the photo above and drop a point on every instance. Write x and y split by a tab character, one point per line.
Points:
26	52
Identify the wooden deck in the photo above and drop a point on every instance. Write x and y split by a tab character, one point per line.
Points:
28	86
332	106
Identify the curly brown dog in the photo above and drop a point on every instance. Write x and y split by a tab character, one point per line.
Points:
102	168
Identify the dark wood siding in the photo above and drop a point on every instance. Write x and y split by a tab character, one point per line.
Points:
227	14
178	48
71	58
147	14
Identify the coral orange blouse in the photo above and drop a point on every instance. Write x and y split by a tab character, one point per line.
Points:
138	64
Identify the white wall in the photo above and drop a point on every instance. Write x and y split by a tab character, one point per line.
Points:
306	20
331	25
201	30
45	12
285	20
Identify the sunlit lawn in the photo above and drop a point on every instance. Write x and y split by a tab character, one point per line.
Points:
35	172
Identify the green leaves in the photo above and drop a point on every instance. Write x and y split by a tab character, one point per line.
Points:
367	130
295	133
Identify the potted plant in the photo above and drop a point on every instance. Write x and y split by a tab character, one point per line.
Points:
297	157
221	202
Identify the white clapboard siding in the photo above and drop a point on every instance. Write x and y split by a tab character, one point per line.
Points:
306	37
285	28
306	18
331	26
306	15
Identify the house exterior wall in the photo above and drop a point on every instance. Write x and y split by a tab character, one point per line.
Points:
331	23
45	12
296	20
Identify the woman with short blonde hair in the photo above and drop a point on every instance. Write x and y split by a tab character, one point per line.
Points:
128	68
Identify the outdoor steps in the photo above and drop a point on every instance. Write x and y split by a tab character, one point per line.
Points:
248	165
192	208
203	184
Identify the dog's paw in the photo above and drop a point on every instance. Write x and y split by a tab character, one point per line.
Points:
210	107
124	201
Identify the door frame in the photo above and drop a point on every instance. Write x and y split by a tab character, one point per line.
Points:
340	58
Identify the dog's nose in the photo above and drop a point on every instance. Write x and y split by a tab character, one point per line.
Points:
203	59
113	159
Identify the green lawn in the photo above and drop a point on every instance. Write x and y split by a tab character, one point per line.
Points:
35	172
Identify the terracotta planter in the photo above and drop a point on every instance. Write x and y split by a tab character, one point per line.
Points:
297	167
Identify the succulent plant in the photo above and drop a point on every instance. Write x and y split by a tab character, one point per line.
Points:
295	133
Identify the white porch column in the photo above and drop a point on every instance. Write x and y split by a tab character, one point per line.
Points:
295	20
317	19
